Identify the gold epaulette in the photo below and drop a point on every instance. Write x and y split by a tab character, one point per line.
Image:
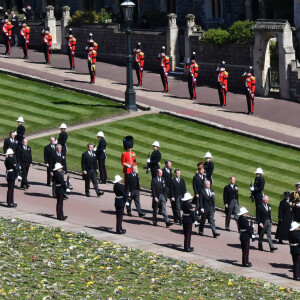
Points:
74	40
225	73
141	53
27	27
8	23
94	52
50	35
253	78
167	58
196	65
95	44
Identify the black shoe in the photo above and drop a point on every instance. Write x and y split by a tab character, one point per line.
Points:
189	250
22	187
154	223
168	224
201	233
100	194
247	265
129	214
27	186
227	229
62	218
160	212
280	242
87	195
180	223
216	234
142	215
48	184
260	249
12	205
102	182
273	249
297	278
122	231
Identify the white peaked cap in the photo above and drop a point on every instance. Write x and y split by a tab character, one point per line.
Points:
294	226
63	126
117	178
9	151
156	143
187	196
208	155
243	210
259	171
20	119
58	166
100	133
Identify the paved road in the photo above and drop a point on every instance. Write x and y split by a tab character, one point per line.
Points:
98	214
274	118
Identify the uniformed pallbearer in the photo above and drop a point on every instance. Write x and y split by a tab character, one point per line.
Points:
294	240
193	74
295	200
164	62
249	82
20	131
128	158
155	159
71	46
222	83
47	43
92	57
101	156
25	34
6	33
139	63
11	175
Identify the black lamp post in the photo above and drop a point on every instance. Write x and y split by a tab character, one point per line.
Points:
130	102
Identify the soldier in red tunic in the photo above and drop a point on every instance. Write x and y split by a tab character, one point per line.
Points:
91	43
193	74
6	32
249	82
92	57
25	33
128	158
222	83
47	44
164	68
139	63
71	45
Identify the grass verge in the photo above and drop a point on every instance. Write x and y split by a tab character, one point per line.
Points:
185	143
43	106
39	262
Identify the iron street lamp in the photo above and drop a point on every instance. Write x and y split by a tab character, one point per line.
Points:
130	101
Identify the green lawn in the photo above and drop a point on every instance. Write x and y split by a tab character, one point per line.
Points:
39	262
43	106
185	143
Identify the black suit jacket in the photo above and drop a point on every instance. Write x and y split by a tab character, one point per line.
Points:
229	193
20	134
49	153
10	164
121	195
100	154
12	145
209	169
244	224
259	185
24	157
62	140
158	188
177	189
154	160
88	162
205	200
198	183
132	183
58	159
262	214
167	176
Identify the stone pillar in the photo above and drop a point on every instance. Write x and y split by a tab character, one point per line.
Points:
248	6
50	22
189	28
172	41
64	22
297	21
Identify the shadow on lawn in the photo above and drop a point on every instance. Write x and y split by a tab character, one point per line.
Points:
83	104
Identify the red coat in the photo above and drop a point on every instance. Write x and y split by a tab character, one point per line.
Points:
164	63
71	43
25	32
193	69
91	43
250	82
139	58
222	79
6	28
128	159
47	38
92	56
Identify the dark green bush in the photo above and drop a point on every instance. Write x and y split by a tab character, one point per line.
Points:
81	16
241	31
216	36
104	16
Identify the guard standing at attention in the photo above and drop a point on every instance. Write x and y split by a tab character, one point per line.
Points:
24	159
6	32
222	83
139	63
259	185
11	175
92	58
71	46
188	218
25	34
249	82
101	156
120	201
209	167
164	62
295	200
246	233
294	240
20	131
47	44
60	189
91	43
193	74
155	159
128	158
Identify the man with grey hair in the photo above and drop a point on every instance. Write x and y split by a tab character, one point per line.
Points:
264	221
49	152
24	159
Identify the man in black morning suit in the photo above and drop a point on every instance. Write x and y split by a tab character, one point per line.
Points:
167	175
207	208
24	158
49	152
178	189
90	171
10	142
133	191
158	188
198	185
101	156
231	201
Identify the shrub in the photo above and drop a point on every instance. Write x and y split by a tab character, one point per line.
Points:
83	17
104	16
216	36
241	31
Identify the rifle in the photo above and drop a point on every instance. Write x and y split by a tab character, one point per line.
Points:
252	225
251	193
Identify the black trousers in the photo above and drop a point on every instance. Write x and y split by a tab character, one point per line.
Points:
233	208
296	265
136	198
92	72
209	213
71	59
119	215
47	53
139	74
176	208
187	230
102	170
164	80
250	102
24	172
49	179
245	252
7	42
91	176
192	87
59	204
24	47
10	192
222	95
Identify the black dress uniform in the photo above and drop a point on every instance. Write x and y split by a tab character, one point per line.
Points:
294	240
89	164
231	198
285	219
246	232
101	157
258	193
62	140
49	152
60	190
207	202
198	185
58	157
11	175
295	199
133	187
154	162
10	143
209	169
178	189
120	202
20	134
188	218
24	158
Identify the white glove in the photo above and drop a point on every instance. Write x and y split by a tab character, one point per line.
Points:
196	223
298	204
253	236
142	68
166	74
188	61
244	74
127	203
93	65
86	48
217	69
252	188
68	191
195	79
73	53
